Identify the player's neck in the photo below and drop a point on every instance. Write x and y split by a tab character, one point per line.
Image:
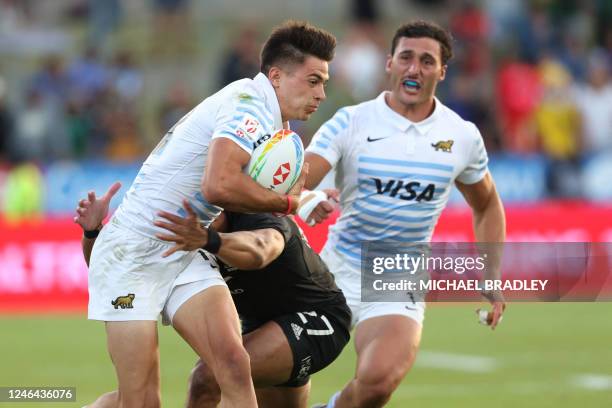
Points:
413	112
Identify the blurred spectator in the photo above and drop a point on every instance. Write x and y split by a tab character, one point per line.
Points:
126	77
365	11
361	48
80	128
594	100
177	104
51	82
557	120
242	59
88	76
39	130
558	127
518	95
172	28
465	99
23	193
104	18
6	122
470	27
534	32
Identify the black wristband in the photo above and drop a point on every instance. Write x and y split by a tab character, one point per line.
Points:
214	241
93	234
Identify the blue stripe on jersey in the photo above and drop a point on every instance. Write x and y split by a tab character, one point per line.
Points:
201	214
386	226
382	173
355	256
387	216
252	112
324	136
403	163
404	205
321	145
260	108
343	125
399	239
331	127
206	204
238	139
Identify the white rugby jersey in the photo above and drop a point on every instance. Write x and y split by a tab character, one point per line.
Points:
243	111
394	175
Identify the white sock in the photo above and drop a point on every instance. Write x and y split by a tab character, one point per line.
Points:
332	400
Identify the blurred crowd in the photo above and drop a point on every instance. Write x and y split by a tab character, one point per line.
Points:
533	75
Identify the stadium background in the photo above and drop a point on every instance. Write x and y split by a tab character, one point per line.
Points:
87	88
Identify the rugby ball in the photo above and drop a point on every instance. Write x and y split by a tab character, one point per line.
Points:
277	160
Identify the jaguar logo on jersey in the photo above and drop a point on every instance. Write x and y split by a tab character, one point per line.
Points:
281	174
444	145
124	302
412	189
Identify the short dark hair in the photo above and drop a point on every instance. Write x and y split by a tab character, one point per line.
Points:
293	41
420	29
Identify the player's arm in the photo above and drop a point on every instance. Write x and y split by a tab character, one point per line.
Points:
251	249
317	170
224	183
489	219
90	215
489	222
242	249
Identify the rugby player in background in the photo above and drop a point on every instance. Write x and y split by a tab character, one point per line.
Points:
200	160
396	158
295	320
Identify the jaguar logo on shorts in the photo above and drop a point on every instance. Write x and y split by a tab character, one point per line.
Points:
124	302
444	145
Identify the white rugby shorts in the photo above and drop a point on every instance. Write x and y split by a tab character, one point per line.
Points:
129	279
348	278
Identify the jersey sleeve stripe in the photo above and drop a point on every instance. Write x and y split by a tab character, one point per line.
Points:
236	139
331	127
321	145
262	111
252	112
343	125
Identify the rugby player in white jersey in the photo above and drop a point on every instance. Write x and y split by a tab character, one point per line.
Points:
396	158
199	160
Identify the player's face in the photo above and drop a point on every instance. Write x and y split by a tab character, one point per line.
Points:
415	69
301	88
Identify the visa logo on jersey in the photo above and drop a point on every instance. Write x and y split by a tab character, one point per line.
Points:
405	190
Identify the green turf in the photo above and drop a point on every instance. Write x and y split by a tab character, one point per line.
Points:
534	359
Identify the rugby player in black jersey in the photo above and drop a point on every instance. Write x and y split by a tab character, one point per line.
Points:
295	320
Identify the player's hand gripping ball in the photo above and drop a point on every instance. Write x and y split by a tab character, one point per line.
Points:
277	160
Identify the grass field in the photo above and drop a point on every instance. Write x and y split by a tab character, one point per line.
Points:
542	355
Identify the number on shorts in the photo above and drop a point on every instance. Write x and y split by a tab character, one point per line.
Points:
313	332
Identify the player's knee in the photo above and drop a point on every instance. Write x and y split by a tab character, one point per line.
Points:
375	394
375	385
233	364
203	387
153	397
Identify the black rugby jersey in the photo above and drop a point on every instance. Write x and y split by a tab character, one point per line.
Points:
296	281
